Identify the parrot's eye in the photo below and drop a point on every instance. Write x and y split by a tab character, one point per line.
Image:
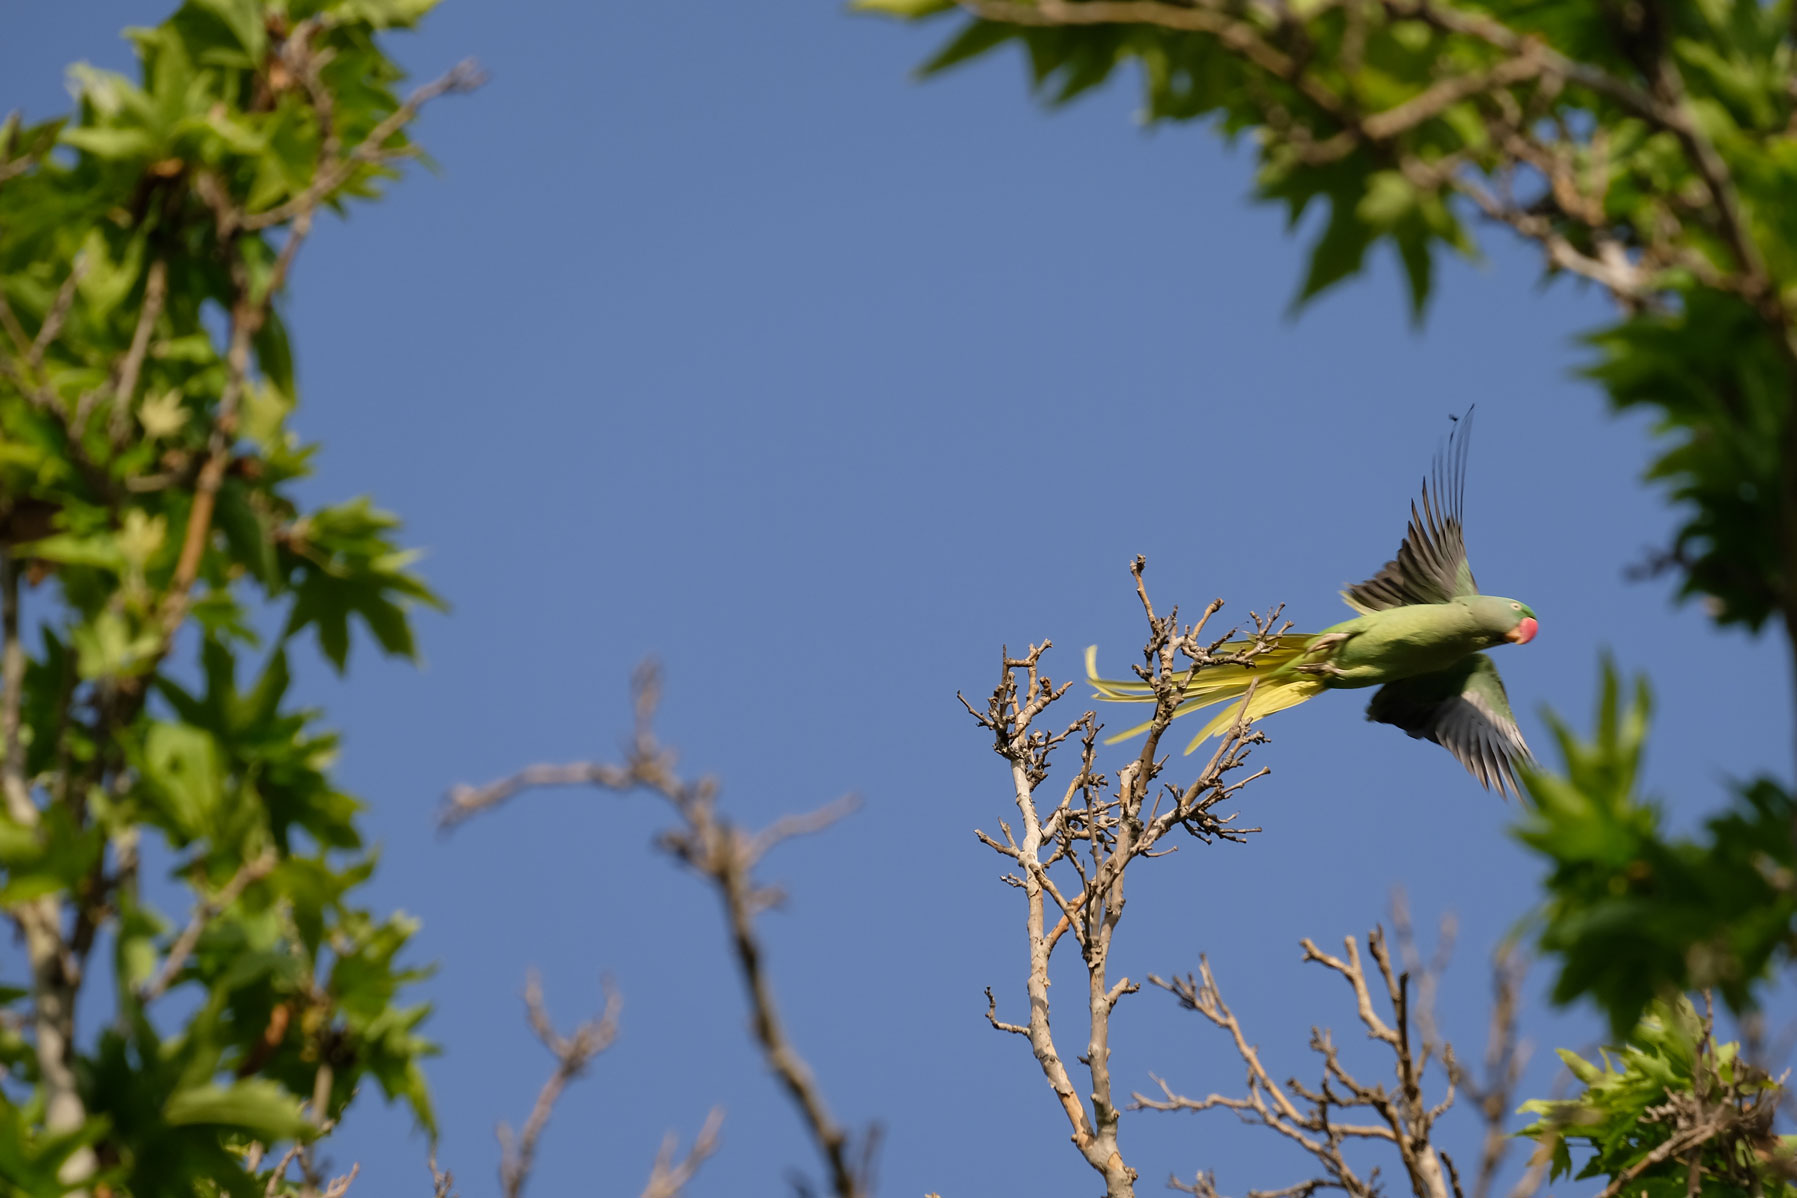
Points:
1516	607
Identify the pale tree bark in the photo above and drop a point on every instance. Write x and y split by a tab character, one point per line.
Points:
1095	834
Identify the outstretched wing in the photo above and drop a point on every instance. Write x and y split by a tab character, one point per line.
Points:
1464	710
1431	564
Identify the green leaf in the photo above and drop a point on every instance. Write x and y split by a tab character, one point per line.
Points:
257	1107
112	143
98	549
909	9
106	278
1337	254
244	19
1389	198
349	566
181	764
386	14
1578	1066
108	647
1632	914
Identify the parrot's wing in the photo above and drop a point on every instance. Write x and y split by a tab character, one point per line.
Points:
1431	565
1464	710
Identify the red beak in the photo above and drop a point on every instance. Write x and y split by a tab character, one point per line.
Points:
1524	632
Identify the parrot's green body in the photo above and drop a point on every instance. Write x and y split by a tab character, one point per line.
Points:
1396	643
1420	636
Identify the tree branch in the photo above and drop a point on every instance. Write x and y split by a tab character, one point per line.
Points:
1098	832
725	856
203	914
572	1056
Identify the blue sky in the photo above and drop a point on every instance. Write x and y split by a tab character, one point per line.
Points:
720	338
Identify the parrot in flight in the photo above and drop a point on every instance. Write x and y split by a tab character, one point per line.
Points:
1420	637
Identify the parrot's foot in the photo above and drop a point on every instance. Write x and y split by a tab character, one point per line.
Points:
1323	646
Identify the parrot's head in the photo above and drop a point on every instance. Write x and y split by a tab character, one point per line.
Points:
1506	619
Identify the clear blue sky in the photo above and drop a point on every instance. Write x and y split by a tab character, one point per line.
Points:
719	338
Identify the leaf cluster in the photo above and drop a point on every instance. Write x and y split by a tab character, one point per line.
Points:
1632	914
148	510
1671	1113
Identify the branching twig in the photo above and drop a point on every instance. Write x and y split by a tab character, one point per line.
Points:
672	1171
463	77
203	914
572	1056
1312	1117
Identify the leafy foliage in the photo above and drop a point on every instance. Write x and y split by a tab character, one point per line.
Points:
1671	1111
147	486
1633	915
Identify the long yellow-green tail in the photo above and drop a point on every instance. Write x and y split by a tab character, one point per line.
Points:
1277	690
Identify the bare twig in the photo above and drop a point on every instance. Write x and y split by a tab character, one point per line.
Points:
1506	1054
442	1180
1312	1117
572	1056
59	312
125	391
332	174
251	871
340	1186
672	1171
279	1176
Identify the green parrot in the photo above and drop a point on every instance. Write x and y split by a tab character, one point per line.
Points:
1420	638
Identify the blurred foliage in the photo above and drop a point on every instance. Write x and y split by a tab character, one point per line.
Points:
1670	1089
1632	914
161	570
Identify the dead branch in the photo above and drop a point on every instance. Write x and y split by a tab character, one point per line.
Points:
1493	1095
1315	1117
1094	830
672	1172
725	856
517	1155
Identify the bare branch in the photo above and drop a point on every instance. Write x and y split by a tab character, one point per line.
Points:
725	856
1098	829
672	1172
466	801
40	919
125	391
59	312
572	1056
993	1019
340	1186
251	871
1403	1118
442	1180
334	173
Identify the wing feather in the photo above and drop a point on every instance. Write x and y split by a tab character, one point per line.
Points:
1431	565
1465	711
